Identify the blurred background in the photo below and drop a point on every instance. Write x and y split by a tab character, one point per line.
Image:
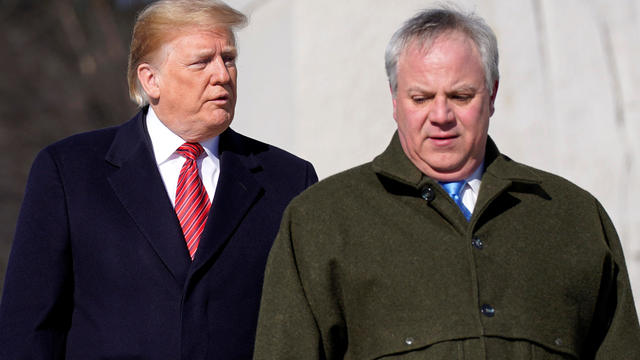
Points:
63	70
312	81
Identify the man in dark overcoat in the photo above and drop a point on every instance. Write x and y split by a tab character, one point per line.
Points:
148	240
442	247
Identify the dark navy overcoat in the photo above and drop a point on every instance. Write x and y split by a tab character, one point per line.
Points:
99	268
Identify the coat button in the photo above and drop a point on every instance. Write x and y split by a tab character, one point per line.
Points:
428	194
558	341
408	341
487	310
477	243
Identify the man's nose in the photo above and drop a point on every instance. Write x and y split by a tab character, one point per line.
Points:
219	72
440	111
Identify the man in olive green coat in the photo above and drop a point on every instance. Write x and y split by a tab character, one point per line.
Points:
441	247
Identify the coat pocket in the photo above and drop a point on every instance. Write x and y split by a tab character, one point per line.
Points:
541	353
446	350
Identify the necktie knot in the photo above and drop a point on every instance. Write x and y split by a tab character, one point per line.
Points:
454	188
190	151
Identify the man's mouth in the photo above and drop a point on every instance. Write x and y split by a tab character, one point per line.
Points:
221	99
443	140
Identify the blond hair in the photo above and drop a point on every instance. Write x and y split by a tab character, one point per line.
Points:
158	23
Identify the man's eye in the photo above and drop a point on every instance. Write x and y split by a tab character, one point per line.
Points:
200	63
229	60
462	97
419	99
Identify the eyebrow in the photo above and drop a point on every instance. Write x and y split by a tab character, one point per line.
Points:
418	89
210	52
463	88
230	50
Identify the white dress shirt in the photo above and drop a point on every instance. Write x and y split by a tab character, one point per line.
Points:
471	188
165	143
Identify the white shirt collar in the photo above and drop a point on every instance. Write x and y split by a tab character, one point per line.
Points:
474	180
165	142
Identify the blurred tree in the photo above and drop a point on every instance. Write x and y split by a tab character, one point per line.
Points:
63	71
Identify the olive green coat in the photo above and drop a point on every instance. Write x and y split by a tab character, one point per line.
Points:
378	262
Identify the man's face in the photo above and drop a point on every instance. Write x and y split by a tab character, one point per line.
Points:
442	107
196	83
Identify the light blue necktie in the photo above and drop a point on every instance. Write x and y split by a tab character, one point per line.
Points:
453	189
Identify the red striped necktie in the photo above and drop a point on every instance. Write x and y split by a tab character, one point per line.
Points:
192	201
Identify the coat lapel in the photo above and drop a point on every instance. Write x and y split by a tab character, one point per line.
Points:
236	192
502	175
138	185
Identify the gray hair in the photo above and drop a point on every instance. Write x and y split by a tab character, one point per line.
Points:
428	24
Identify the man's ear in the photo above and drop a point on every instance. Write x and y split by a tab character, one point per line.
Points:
150	81
493	97
394	100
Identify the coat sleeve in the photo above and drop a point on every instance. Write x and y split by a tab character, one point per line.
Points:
618	330
287	327
35	312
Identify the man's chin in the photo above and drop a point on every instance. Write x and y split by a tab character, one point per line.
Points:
220	117
445	170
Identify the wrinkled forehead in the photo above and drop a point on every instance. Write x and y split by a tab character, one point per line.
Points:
450	61
452	52
171	40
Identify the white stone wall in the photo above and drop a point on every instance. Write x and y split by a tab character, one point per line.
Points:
312	81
